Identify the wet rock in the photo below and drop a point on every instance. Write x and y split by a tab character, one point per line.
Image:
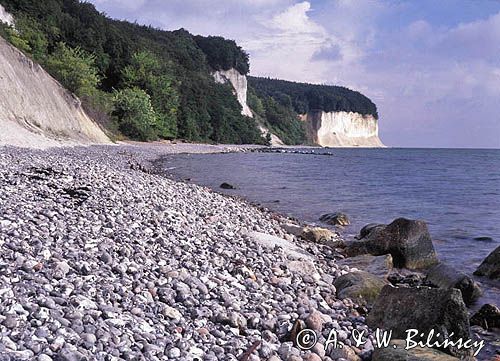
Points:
483	239
379	266
423	309
488	317
227	186
445	276
366	230
335	219
362	287
322	236
398	353
406	278
408	241
491	265
292	228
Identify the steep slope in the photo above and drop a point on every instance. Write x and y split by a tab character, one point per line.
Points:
239	83
35	110
240	86
5	17
176	75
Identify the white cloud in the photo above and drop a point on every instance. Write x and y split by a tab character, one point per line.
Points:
286	44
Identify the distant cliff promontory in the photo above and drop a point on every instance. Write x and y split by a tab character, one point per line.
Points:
332	116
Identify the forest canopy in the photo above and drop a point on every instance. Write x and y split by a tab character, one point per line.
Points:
304	97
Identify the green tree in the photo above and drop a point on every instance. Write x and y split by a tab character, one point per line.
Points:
28	37
255	103
136	116
147	72
74	68
283	122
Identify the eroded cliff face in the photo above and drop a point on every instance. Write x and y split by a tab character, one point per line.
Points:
5	17
342	129
35	110
240	86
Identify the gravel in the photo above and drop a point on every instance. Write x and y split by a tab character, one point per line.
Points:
102	258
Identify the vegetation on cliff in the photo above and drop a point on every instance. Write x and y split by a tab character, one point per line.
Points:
108	62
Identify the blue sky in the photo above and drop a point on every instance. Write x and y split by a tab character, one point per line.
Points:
432	67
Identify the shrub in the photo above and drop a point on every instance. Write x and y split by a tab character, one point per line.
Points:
136	116
74	68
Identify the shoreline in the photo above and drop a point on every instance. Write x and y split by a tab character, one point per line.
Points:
131	164
486	336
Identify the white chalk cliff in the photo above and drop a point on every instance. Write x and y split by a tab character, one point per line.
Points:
240	87
5	17
35	110
342	129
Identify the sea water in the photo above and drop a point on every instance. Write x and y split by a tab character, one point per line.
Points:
456	191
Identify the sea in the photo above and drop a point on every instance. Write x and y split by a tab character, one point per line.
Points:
456	191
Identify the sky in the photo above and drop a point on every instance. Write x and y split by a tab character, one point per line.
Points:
432	67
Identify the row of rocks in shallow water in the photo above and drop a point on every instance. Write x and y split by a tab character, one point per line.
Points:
102	260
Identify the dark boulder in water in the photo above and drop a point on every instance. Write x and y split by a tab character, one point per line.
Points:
426	310
490	266
487	317
445	276
366	230
483	239
227	186
408	241
335	219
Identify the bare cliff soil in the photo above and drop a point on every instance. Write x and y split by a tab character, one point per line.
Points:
35	110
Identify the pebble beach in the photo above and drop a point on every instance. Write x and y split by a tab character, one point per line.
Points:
102	258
